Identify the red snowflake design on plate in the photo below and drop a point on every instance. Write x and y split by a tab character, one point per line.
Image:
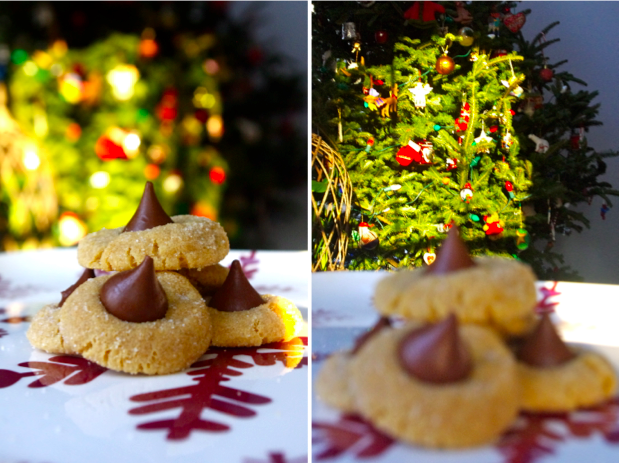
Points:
322	317
277	457
13	319
544	305
533	436
9	291
350	433
75	371
247	262
207	392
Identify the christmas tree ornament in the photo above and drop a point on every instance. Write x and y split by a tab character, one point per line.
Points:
522	239
429	257
389	105
604	209
467	36
427	151
546	74
510	189
405	155
451	164
356	48
577	136
368	239
466	193
462	122
349	31
446	180
493	226
541	145
420	91
381	36
463	16
483	142
445	65
507	141
494	24
424	11
514	22
444	227
109	146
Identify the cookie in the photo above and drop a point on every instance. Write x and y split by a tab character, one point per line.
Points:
276	319
332	381
160	346
437	411
559	378
331	384
44	331
207	280
241	317
190	242
491	291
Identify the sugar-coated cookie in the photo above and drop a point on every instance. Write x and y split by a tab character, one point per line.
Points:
276	319
331	384
462	404
556	377
189	242
490	291
44	331
161	346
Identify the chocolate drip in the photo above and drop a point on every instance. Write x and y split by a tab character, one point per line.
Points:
149	213
543	347
87	274
135	295
452	255
236	294
436	353
383	322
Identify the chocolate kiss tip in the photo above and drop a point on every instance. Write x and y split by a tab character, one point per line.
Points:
149	213
543	347
87	274
435	353
135	295
236	294
452	255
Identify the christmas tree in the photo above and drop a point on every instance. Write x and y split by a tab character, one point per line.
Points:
109	96
427	145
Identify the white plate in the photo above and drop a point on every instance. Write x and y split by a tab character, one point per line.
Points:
234	405
586	313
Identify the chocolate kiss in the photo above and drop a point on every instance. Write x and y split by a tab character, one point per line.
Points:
86	275
543	347
452	255
383	322
236	294
435	353
135	295
149	213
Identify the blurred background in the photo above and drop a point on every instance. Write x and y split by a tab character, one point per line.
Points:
208	100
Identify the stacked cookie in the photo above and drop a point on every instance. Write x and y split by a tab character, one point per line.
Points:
166	300
469	355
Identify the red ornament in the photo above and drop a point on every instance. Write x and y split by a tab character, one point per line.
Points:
368	239
381	36
546	74
217	175
107	150
451	163
426	13
406	155
462	122
514	22
493	224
